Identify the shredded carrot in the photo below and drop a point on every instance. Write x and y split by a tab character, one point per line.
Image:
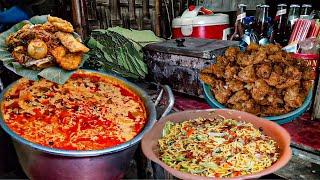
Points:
189	132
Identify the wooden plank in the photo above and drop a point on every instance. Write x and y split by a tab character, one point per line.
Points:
132	11
145	9
92	9
115	10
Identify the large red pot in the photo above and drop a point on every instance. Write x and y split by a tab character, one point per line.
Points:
42	162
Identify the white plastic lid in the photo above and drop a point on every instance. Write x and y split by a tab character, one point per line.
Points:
190	17
201	20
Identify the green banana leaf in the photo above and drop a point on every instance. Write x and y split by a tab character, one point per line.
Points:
112	52
54	74
139	38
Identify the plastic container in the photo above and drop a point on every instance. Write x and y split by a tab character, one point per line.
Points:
190	24
312	61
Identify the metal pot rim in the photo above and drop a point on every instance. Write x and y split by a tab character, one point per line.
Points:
150	107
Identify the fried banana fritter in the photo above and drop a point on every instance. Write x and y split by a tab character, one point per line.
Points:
253	47
208	79
231	53
274	98
263	80
235	85
273	111
67	60
60	24
239	96
259	57
264	71
247	74
308	74
71	43
272	48
221	92
231	72
293	97
275	79
251	106
243	59
260	90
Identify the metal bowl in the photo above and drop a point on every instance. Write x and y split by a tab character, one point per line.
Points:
150	145
281	119
41	162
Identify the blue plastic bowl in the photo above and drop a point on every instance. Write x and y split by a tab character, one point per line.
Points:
285	118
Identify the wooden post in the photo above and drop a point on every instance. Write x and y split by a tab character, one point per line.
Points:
115	9
84	18
158	4
76	17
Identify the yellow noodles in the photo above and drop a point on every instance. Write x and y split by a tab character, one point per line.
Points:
216	147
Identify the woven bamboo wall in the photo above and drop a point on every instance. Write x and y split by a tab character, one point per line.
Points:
127	13
155	15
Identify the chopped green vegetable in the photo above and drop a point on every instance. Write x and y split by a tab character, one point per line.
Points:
210	165
167	128
202	137
180	158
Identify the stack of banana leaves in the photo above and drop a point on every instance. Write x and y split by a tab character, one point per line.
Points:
115	53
